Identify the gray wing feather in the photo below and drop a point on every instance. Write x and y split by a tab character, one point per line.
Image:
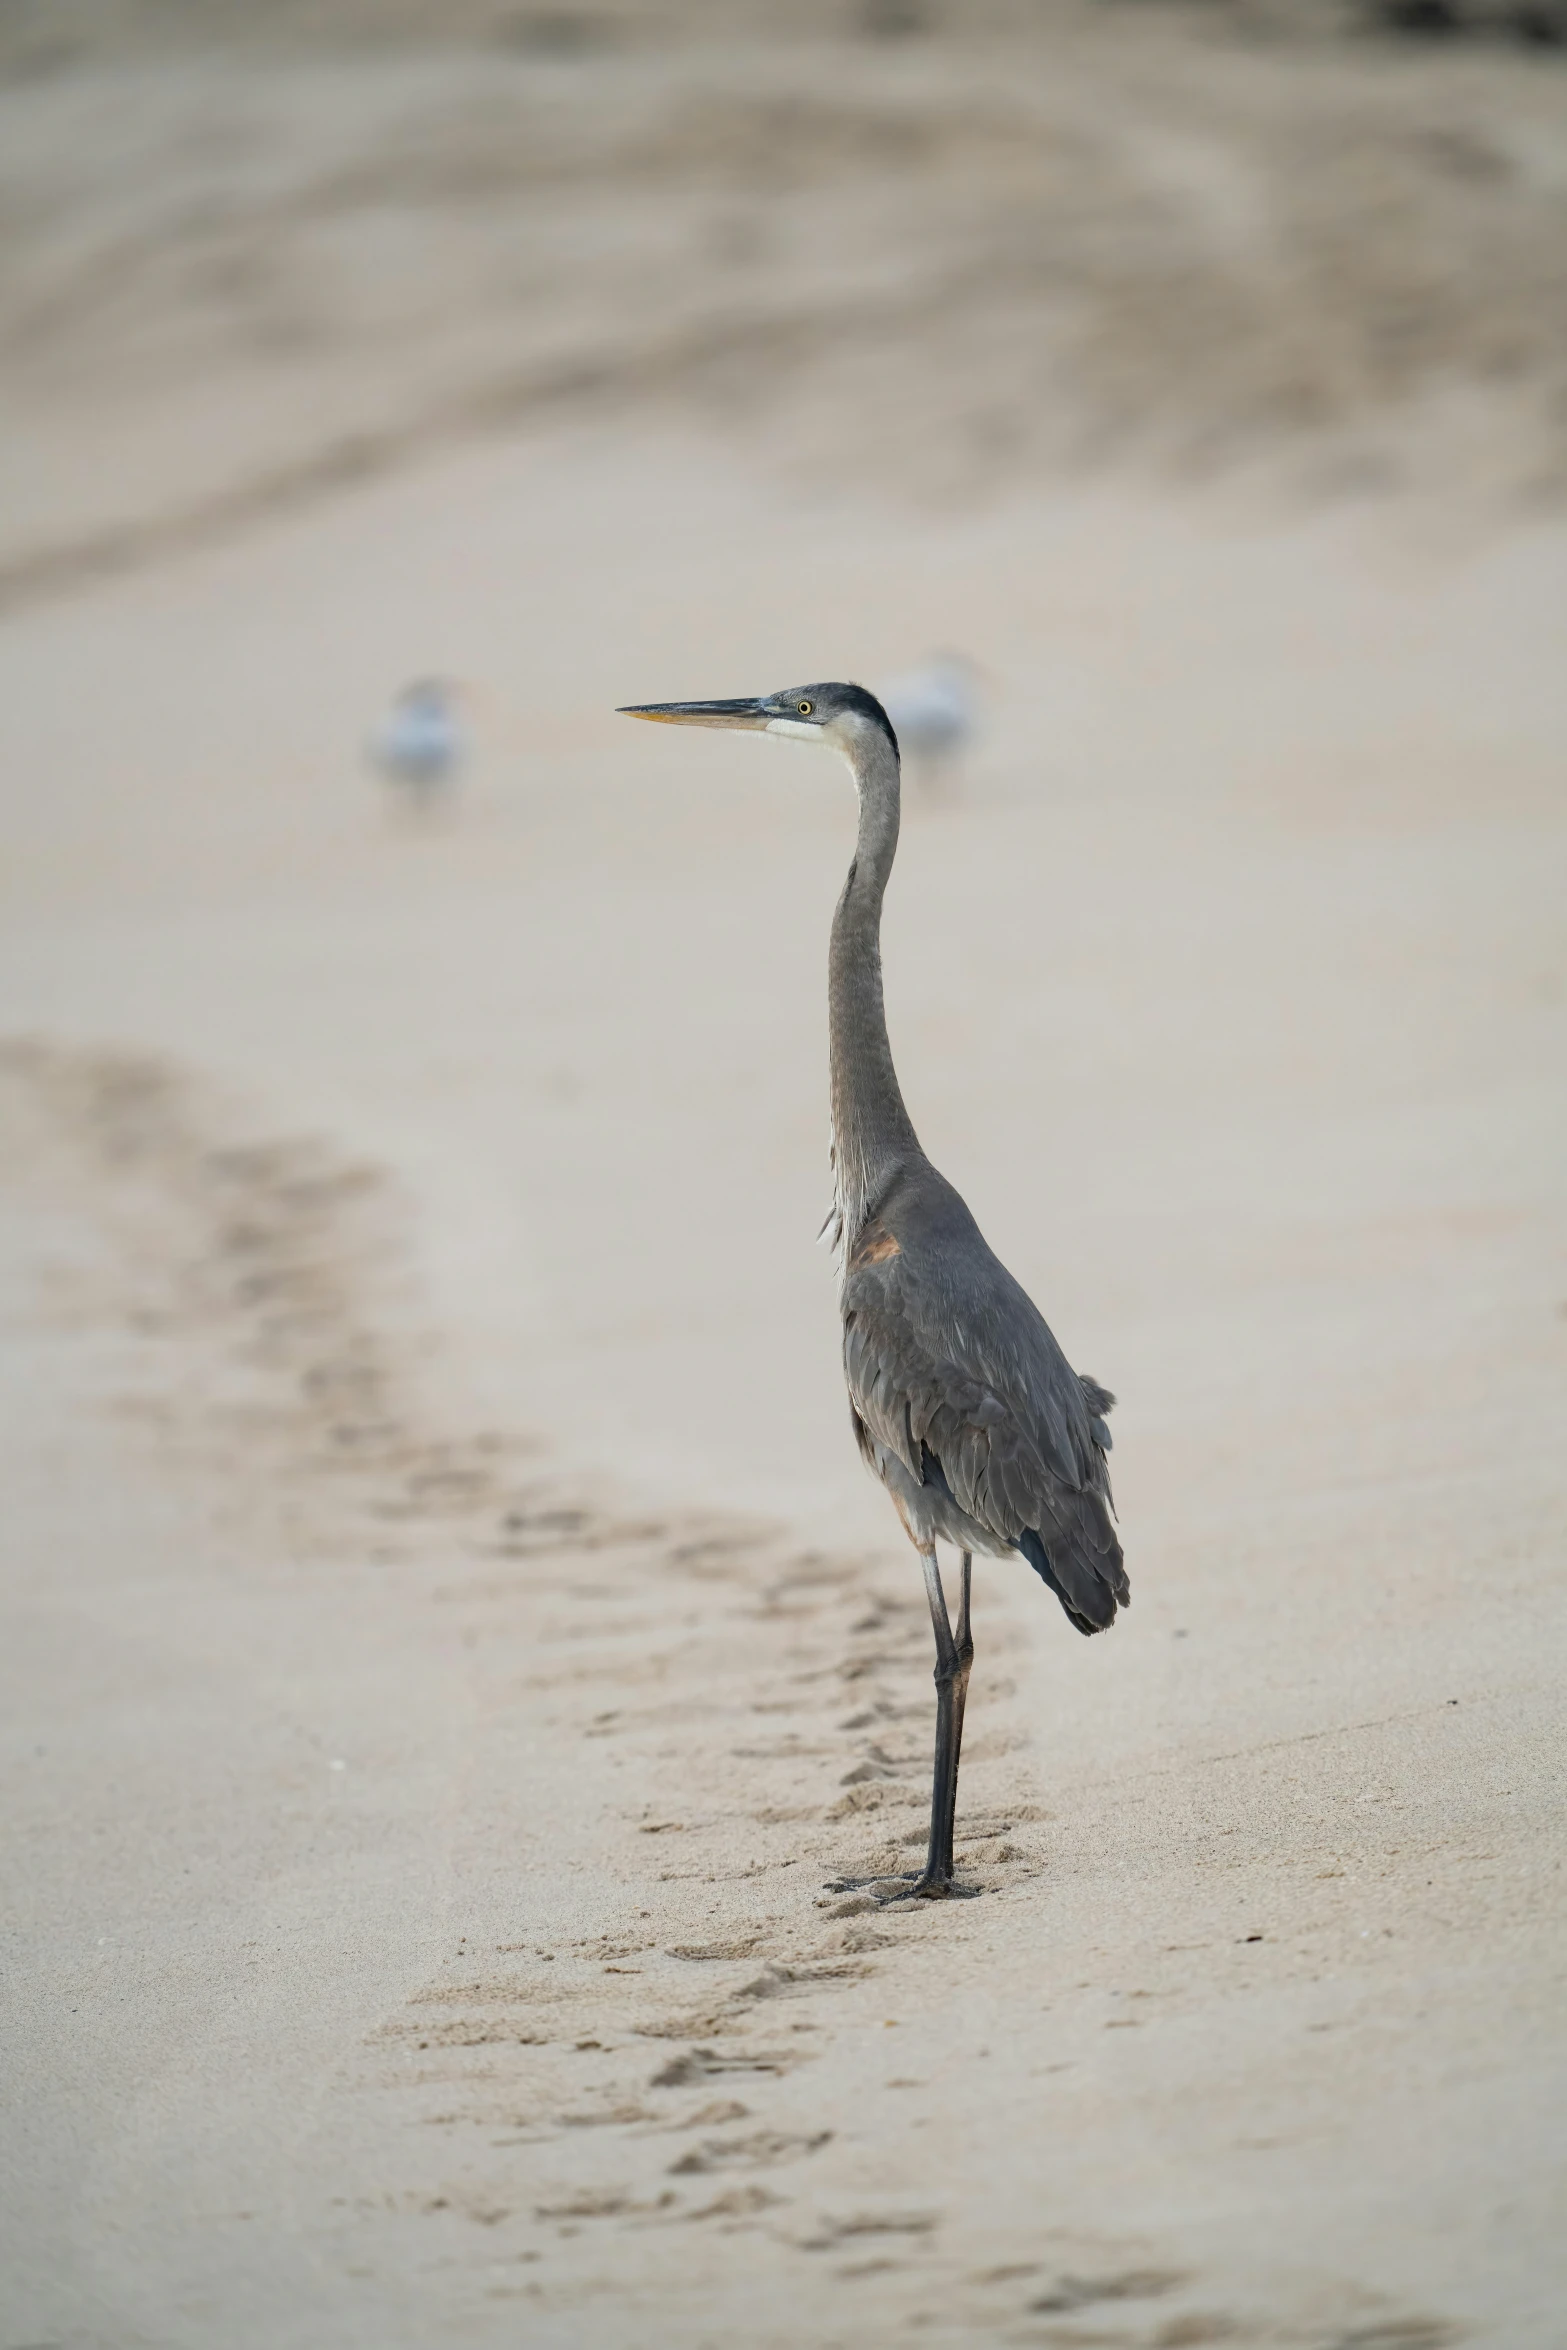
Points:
987	1393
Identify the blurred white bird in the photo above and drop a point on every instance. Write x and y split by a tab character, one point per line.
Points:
935	714
419	745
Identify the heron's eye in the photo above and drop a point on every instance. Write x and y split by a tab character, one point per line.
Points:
805	708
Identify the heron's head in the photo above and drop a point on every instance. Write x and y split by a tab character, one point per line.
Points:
842	718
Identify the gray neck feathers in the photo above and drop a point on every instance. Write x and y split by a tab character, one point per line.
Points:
872	1133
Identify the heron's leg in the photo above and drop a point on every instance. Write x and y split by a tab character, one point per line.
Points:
964	1652
937	1879
965	1642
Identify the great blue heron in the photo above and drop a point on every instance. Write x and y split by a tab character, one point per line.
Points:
962	1402
420	745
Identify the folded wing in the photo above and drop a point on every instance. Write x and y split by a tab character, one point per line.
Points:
953	1369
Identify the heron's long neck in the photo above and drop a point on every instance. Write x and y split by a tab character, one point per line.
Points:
872	1134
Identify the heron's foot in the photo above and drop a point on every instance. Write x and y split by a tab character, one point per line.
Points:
881	1887
925	1887
941	1889
881	1891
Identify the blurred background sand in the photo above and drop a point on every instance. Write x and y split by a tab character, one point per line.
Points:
317	241
452	1647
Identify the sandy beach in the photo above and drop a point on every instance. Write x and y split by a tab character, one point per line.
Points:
453	1659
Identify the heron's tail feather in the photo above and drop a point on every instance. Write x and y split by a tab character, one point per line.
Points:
1083	1568
1101	1403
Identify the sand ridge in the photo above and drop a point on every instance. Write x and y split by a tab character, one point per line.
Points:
1188	244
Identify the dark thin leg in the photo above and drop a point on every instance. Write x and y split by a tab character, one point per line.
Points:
964	1645
952	1668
